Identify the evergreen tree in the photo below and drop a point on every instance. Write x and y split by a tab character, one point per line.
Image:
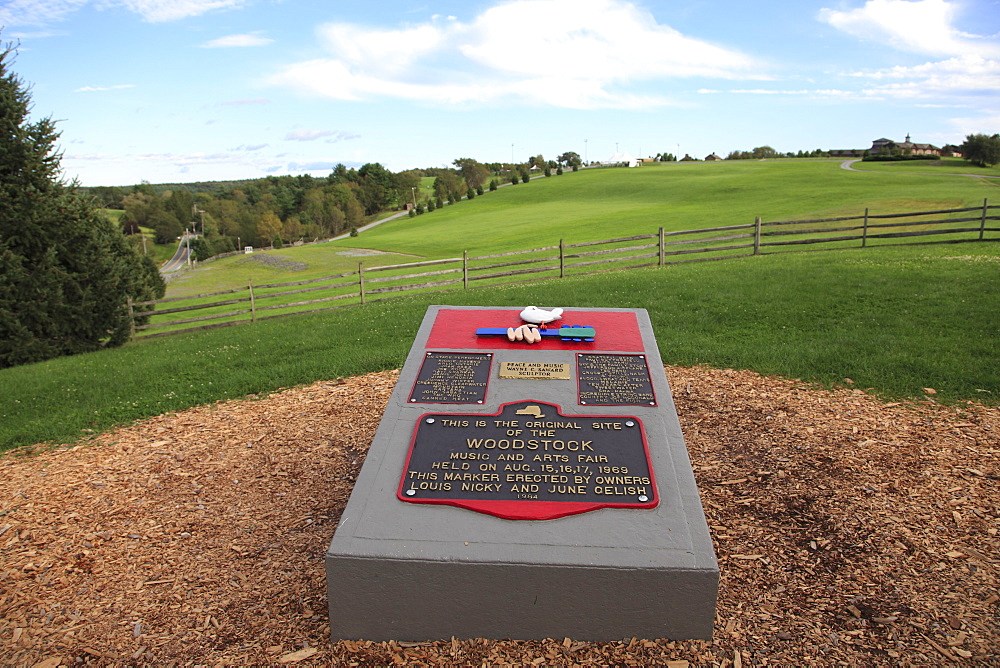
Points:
66	272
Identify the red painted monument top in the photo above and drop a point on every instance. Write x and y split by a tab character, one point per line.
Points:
456	328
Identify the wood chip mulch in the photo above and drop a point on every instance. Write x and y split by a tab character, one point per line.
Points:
848	530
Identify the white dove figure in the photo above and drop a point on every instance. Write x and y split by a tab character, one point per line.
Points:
539	316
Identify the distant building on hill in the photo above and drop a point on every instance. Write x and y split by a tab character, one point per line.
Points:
712	158
622	159
885	146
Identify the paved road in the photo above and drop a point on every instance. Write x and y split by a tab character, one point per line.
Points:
849	166
180	258
371	225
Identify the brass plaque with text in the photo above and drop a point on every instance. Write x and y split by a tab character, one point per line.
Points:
535	370
614	380
452	378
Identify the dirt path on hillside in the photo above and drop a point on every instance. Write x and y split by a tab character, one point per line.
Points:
847	529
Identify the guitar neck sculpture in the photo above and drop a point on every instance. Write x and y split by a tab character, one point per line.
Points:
573	333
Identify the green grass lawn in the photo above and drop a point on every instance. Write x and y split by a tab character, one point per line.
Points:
596	204
293	263
604	203
894	320
942	166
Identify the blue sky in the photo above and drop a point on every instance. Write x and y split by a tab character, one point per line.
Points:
192	90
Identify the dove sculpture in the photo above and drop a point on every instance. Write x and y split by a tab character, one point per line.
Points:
538	316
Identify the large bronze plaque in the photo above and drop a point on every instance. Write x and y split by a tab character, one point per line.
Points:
452	378
529	461
614	380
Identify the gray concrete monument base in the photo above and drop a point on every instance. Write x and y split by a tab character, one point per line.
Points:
408	571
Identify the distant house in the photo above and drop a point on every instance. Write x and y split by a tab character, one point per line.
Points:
885	146
951	151
712	158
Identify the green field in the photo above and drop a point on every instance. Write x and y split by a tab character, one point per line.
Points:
293	263
895	320
929	167
603	203
596	204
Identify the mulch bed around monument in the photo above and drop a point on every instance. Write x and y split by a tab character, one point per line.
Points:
847	529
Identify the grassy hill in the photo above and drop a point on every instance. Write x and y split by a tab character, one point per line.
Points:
893	320
955	166
601	203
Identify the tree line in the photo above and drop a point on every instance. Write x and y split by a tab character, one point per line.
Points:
277	210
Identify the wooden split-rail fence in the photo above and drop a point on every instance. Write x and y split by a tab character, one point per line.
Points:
255	302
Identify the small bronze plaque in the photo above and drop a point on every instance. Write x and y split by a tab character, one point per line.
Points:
452	378
529	461
614	380
535	370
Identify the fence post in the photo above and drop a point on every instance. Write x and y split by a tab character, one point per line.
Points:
465	269
361	281
864	231
131	319
253	304
662	248
982	221
562	259
756	236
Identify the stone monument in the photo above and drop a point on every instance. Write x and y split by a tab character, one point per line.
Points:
526	487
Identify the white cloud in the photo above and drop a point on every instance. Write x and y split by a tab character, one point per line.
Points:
986	124
307	135
920	26
331	136
581	54
970	72
156	11
606	40
967	76
44	12
229	41
768	91
37	12
95	89
383	51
